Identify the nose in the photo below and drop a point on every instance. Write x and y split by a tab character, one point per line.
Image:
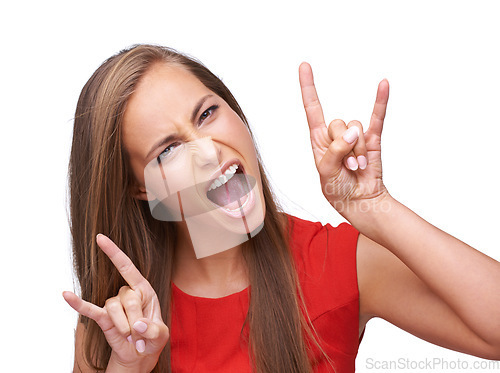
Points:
205	152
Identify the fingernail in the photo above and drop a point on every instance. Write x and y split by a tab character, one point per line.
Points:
351	134
352	163
140	326
140	346
129	339
362	162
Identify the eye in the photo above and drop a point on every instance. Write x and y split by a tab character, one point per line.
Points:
166	152
207	113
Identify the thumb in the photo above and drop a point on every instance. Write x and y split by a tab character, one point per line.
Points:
156	333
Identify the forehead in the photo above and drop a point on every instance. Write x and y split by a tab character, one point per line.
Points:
167	87
161	104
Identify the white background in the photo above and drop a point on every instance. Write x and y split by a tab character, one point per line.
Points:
440	140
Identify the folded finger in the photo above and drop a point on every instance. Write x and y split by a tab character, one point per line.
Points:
338	150
337	132
131	304
359	154
117	315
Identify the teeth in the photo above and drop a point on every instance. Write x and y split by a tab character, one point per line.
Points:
221	180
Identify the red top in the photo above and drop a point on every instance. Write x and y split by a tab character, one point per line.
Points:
205	332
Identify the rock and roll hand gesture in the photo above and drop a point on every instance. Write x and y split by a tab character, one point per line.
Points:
131	321
348	160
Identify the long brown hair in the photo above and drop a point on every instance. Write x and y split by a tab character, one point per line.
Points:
101	201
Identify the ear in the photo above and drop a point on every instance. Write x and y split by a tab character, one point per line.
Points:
140	192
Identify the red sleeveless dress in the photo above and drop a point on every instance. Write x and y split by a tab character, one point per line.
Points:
206	333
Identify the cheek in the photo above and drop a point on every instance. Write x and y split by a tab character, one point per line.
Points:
165	180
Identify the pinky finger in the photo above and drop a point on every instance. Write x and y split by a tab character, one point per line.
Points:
88	309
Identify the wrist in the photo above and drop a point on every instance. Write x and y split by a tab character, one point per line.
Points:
365	214
116	366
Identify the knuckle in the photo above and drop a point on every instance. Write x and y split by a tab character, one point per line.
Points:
123	290
145	291
126	267
131	304
313	104
155	332
357	124
337	123
124	330
113	304
162	333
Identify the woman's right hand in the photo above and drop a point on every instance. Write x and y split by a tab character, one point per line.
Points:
130	321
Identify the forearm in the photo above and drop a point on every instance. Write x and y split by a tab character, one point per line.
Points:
467	280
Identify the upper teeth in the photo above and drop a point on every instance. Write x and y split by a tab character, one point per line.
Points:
221	180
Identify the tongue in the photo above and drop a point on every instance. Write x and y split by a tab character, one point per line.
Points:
233	193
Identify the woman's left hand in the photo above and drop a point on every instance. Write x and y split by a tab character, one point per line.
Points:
131	321
348	160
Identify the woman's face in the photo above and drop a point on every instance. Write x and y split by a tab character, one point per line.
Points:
191	151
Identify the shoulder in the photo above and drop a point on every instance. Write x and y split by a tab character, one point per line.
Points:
325	259
310	239
303	229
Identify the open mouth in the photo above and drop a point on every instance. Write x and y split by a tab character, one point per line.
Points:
231	190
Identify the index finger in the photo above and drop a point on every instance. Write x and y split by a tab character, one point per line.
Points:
122	262
314	111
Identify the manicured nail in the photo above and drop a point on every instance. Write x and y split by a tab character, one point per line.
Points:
352	163
129	339
140	346
362	162
351	134
140	326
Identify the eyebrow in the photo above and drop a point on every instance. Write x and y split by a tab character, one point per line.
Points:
163	141
198	106
169	138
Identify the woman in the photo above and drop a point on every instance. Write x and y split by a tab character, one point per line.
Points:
283	299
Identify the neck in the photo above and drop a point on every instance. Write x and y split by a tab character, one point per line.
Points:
214	276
